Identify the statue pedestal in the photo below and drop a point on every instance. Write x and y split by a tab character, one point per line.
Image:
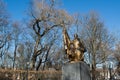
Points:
76	71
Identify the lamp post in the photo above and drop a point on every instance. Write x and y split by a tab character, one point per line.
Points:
27	69
110	70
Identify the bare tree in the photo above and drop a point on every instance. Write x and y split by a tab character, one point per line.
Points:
117	48
3	23
15	36
97	40
117	57
4	31
45	19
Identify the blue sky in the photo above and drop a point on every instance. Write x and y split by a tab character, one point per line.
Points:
108	10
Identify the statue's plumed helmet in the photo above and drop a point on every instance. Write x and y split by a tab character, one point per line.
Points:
75	36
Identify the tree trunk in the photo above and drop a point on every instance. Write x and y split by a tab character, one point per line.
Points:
93	73
94	68
34	57
33	61
39	64
14	59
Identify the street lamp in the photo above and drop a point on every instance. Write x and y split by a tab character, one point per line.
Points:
27	69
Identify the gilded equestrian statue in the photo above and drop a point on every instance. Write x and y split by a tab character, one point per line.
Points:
73	48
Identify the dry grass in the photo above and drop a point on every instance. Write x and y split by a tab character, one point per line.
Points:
31	75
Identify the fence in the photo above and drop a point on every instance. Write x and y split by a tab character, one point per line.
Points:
30	75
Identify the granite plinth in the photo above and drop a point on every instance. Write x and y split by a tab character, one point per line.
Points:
76	71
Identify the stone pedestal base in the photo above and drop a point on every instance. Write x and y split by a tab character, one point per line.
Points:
76	71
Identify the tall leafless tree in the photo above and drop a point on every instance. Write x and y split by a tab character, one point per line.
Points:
15	36
117	56
45	18
4	31
96	39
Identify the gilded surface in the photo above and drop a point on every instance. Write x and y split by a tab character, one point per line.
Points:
73	48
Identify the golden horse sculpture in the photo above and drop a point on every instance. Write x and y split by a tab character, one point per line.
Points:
73	48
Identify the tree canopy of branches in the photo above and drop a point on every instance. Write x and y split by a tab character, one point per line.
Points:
3	23
97	40
4	31
45	21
